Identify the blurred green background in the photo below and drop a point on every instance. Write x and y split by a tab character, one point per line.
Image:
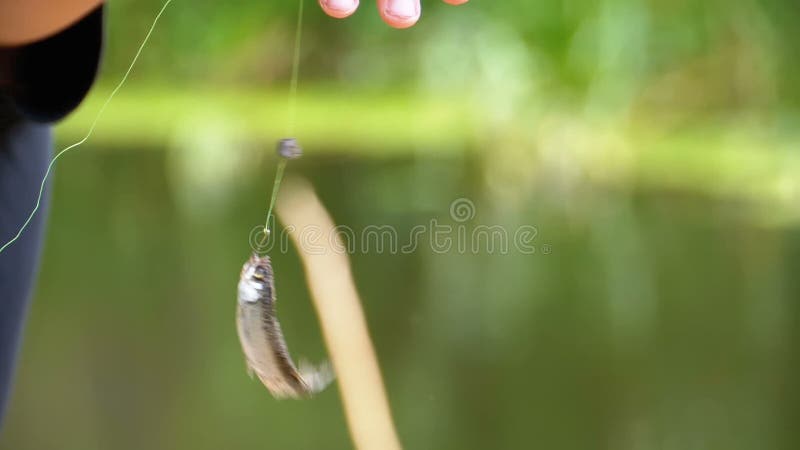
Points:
653	145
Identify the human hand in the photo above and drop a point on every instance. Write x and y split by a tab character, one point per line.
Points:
396	13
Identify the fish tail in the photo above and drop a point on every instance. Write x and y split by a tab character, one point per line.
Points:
316	378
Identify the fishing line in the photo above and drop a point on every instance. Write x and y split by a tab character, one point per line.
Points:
295	71
287	146
275	186
88	134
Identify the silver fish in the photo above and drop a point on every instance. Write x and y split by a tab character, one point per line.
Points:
262	340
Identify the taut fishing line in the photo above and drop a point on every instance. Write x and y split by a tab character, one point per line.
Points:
88	134
287	148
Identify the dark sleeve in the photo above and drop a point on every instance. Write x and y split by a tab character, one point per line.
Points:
52	76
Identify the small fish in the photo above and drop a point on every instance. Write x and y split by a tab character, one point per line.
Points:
262	340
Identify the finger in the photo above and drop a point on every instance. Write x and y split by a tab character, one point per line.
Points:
339	8
456	2
399	13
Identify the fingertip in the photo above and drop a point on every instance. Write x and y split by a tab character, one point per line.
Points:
456	2
339	9
399	22
399	13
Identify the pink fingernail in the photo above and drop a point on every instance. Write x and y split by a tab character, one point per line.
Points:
402	9
343	6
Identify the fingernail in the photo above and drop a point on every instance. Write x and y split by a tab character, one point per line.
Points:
402	9
342	6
